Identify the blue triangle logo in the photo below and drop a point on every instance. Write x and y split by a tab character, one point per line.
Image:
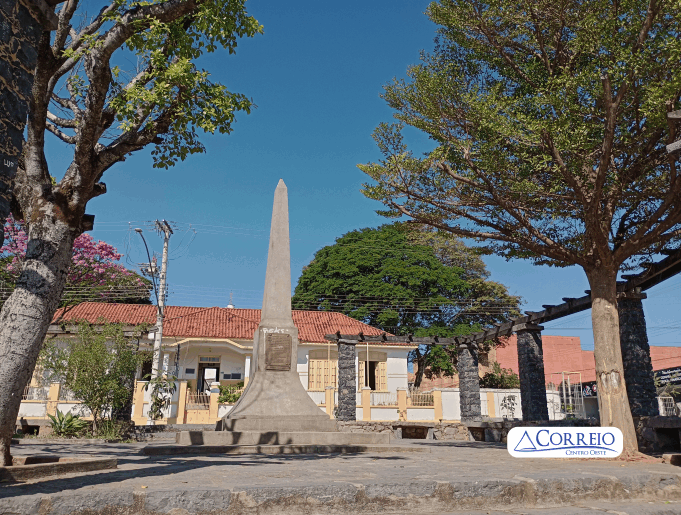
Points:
525	444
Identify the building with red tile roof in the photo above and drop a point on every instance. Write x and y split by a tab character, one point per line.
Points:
561	354
565	354
220	341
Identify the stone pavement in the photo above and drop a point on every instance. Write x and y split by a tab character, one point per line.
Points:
449	477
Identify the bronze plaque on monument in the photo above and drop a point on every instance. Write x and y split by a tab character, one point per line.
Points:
278	351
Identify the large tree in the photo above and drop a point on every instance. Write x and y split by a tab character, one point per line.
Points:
94	275
549	127
406	280
84	96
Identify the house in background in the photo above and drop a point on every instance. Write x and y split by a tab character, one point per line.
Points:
204	345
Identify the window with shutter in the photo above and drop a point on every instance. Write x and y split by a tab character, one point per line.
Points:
382	376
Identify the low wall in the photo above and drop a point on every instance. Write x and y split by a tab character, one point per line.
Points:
451	431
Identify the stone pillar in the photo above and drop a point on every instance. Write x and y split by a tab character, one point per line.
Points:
21	25
638	368
531	372
469	382
347	390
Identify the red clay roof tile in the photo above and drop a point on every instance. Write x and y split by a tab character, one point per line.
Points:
215	322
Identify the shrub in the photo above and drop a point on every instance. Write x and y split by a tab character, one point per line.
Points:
67	425
503	378
231	393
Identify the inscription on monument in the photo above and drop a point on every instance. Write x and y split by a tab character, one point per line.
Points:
278	351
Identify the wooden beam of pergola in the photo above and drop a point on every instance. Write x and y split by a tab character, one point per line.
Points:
654	274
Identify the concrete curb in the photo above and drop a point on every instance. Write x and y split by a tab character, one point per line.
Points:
36	470
68	441
423	496
174	450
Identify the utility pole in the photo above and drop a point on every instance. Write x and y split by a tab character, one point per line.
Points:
156	364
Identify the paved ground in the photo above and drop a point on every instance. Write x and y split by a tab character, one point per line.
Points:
447	477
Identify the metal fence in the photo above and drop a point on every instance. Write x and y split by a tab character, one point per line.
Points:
421	399
35	393
383	399
67	395
667	406
198	400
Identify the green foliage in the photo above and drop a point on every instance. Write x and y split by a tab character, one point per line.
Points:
548	123
406	280
112	429
503	378
171	82
162	389
230	393
67	425
380	277
96	366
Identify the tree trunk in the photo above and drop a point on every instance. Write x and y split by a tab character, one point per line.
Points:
419	359
26	315
613	403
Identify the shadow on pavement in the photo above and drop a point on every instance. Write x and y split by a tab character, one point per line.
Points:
165	465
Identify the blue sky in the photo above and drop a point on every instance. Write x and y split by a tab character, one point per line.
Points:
316	75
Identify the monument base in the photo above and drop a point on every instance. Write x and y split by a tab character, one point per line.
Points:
250	438
320	423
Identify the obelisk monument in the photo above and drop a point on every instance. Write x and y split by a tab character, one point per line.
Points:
275	399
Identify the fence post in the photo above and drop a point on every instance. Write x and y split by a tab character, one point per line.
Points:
402	402
491	410
182	403
138	400
366	403
437	405
53	399
213	406
329	400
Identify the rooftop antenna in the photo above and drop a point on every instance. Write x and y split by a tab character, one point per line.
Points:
230	305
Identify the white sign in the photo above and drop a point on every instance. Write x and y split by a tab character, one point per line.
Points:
565	442
210	374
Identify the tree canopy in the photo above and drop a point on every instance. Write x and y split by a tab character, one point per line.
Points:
406	280
105	85
94	275
549	126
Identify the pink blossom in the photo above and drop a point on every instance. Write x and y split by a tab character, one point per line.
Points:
94	262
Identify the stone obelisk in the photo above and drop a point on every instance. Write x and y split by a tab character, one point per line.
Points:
275	399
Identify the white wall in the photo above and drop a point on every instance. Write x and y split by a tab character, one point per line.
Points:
385	414
451	406
223	409
303	364
420	414
32	409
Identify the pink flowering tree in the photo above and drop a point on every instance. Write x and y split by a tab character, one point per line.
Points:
95	273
